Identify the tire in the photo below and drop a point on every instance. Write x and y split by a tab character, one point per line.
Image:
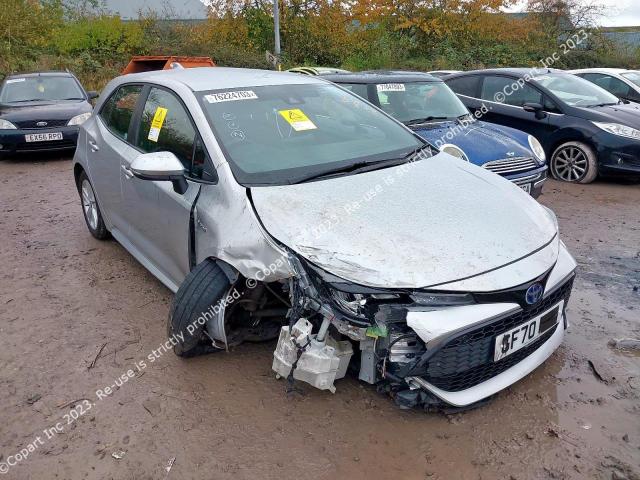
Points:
574	162
203	287
90	209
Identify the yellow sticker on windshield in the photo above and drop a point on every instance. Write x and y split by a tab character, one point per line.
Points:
297	119
156	124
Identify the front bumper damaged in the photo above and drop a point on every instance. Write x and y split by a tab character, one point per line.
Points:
439	358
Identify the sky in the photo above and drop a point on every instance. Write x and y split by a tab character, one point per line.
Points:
618	13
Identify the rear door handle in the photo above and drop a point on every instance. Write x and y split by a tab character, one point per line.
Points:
127	171
94	146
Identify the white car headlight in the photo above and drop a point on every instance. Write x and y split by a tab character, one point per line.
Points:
79	119
6	125
537	149
619	129
454	151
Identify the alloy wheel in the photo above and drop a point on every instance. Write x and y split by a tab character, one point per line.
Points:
89	205
570	164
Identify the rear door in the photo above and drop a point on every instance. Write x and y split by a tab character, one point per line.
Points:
107	143
158	218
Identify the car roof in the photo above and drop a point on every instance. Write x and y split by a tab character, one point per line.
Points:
382	76
48	73
214	78
518	72
600	70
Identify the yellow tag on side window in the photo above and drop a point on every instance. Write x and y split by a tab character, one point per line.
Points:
297	119
156	124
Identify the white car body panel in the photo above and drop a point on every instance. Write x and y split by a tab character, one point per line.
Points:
436	223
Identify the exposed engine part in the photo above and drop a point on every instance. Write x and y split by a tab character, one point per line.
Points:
368	361
319	364
404	347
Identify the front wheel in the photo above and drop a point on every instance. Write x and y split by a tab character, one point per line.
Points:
574	162
195	301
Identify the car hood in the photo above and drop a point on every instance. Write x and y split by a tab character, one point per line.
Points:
481	142
416	225
627	114
47	111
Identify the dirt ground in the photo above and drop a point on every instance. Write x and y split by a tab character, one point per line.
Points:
67	299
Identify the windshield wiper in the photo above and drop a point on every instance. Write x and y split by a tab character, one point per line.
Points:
420	121
73	98
27	100
360	167
604	104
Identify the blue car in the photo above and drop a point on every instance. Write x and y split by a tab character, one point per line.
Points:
429	107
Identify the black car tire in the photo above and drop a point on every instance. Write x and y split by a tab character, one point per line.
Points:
88	200
570	158
203	288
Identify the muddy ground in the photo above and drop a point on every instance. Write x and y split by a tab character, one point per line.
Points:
65	297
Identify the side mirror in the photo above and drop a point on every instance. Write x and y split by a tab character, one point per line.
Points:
93	95
160	167
535	108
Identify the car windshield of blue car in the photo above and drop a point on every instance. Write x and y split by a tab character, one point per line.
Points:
282	134
420	102
633	77
40	88
576	91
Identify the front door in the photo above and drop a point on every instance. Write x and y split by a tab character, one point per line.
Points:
157	217
505	99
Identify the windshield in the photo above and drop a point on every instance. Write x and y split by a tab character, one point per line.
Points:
40	88
633	77
420	101
281	134
576	91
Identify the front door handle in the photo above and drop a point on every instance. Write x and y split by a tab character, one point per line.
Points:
127	171
94	146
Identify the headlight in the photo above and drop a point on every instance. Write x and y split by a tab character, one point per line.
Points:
6	125
536	148
79	119
442	299
618	129
354	303
454	151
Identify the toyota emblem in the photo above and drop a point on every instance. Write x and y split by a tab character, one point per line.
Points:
534	293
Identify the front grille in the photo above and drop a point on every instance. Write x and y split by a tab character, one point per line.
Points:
467	360
50	145
507	166
32	124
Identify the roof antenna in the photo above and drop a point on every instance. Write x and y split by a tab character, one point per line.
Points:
176	66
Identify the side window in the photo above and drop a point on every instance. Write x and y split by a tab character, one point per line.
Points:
609	83
550	106
617	87
165	126
513	93
467	86
357	88
118	110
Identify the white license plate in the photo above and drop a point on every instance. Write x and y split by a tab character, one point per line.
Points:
43	137
526	187
519	337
